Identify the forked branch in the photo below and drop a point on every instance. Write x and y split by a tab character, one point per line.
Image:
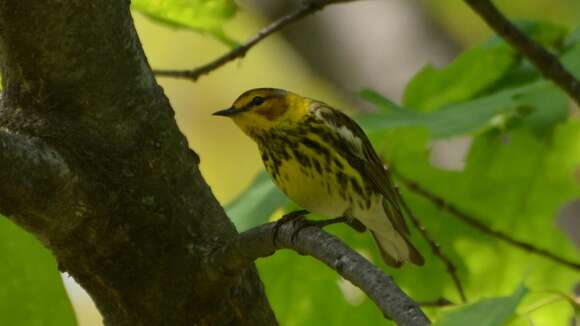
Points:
242	251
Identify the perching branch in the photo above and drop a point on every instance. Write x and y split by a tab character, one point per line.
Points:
546	62
242	251
476	223
308	7
436	249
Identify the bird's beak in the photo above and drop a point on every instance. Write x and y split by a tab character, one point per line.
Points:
226	112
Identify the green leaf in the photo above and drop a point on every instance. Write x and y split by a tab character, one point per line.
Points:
538	105
381	102
469	74
256	204
573	39
477	70
571	58
549	298
541	110
486	312
508	184
304	291
31	290
206	16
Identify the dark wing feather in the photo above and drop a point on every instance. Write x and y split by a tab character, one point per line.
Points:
363	157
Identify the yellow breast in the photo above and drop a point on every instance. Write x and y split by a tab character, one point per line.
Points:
311	190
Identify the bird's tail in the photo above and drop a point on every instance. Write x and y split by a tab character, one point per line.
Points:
395	248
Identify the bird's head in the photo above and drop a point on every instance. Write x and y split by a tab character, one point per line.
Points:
259	110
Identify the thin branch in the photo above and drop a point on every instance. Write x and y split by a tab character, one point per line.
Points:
477	224
546	62
242	251
308	7
436	249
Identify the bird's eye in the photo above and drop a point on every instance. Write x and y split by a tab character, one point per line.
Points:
258	100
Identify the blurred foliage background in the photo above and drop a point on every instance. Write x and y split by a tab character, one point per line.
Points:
445	102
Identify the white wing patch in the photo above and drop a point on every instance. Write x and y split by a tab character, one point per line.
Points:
347	134
323	113
317	110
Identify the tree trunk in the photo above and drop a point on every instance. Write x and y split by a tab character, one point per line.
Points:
92	163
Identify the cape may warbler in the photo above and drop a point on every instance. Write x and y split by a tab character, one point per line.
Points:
324	162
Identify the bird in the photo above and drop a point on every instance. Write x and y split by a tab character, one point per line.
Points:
323	161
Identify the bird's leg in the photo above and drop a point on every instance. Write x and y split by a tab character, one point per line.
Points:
323	223
298	217
290	217
293	216
355	224
307	223
348	220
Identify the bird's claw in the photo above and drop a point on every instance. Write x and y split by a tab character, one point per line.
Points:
294	216
299	217
355	224
304	223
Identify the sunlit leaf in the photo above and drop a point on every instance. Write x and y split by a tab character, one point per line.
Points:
31	289
548	298
303	291
508	184
206	16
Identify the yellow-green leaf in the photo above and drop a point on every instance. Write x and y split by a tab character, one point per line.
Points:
206	16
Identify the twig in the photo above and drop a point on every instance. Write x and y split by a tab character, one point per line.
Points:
436	249
546	62
242	251
476	223
308	7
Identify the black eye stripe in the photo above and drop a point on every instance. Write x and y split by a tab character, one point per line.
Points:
251	104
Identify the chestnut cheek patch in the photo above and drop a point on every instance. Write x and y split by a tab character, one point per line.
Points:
272	112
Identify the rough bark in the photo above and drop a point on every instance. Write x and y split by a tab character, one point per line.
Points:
92	163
